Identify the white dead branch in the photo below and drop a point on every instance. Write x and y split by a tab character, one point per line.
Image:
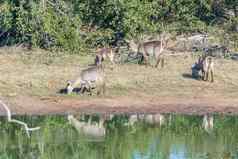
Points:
9	118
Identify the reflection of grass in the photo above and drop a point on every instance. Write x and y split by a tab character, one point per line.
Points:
40	73
58	139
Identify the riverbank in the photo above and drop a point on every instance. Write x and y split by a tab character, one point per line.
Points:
30	83
118	105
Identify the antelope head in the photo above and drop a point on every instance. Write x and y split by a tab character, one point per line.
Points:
69	87
133	46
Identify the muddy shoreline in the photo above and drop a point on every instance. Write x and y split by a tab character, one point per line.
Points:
63	106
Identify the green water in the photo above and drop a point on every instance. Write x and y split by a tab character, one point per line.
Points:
178	137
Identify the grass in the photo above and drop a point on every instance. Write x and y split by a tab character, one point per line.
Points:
41	73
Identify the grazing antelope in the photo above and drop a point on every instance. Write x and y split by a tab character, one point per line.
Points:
102	54
150	48
89	78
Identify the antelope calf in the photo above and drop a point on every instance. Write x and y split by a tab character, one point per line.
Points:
92	77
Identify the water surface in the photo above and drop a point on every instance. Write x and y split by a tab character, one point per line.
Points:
126	137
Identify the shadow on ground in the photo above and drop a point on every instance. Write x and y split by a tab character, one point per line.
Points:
75	90
235	57
187	75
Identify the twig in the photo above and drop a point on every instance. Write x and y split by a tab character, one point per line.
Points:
9	118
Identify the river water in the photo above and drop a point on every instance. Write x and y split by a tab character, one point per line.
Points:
135	136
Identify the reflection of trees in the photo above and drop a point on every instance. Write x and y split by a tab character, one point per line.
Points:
184	136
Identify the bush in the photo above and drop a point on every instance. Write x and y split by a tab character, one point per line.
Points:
77	26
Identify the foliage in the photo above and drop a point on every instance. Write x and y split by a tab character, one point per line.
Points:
75	26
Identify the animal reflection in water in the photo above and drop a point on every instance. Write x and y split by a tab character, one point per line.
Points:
208	122
97	130
155	119
89	128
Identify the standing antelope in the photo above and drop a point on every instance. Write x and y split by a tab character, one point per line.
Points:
89	78
206	65
150	48
102	54
208	68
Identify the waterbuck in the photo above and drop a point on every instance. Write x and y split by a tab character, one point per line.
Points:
208	68
92	77
206	65
153	48
104	53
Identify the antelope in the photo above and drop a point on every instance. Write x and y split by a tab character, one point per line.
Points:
206	65
102	54
150	48
92	77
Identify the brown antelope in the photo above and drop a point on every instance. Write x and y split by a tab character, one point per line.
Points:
150	48
208	68
89	78
102	54
206	65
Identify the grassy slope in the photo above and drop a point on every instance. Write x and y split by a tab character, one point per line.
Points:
38	73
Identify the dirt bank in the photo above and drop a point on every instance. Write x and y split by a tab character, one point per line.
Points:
30	83
61	105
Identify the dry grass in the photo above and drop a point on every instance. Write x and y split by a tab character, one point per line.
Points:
39	73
